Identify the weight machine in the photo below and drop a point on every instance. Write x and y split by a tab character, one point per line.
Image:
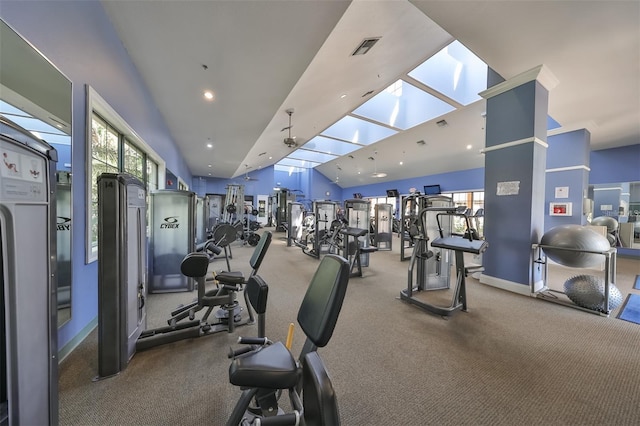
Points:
431	260
411	206
28	275
383	223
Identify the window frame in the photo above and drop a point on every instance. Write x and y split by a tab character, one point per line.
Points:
97	105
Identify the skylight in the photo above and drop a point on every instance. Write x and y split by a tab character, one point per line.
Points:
356	130
403	106
318	157
331	146
455	72
292	162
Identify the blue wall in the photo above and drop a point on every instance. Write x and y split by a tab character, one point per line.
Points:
79	39
616	165
464	180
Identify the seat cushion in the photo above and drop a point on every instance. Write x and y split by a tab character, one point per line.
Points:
271	367
233	277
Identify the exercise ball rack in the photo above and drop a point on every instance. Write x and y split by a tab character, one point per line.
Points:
546	293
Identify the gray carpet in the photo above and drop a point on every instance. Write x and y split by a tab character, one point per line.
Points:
509	360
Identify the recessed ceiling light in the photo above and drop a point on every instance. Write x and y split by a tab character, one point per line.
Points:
208	95
209	145
270	158
469	146
344	95
401	163
209	165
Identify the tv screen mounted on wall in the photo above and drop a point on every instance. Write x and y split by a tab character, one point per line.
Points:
432	190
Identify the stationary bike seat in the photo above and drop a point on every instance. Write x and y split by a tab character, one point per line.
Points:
271	367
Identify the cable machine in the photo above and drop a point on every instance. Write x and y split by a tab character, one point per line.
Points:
122	277
383	220
411	205
295	227
173	215
28	279
233	204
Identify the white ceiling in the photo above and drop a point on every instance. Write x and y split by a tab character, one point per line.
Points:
264	57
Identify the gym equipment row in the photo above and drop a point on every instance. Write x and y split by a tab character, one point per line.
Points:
122	281
28	279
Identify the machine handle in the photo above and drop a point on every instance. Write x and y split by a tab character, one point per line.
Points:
253	341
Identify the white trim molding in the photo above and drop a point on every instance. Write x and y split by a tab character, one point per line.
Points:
540	73
568	168
523	289
532	139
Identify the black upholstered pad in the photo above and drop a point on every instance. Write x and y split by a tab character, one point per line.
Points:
257	291
461	244
194	265
322	302
355	232
271	367
233	277
320	402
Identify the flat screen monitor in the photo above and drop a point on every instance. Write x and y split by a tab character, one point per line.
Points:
357	195
393	193
432	190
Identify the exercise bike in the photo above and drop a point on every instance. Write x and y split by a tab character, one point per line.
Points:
263	369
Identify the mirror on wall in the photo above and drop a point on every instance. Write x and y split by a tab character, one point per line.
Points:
621	201
37	96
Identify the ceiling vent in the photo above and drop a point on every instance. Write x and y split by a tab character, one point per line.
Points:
365	46
421	142
442	123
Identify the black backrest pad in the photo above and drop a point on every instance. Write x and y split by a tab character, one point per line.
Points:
321	305
257	291
195	265
260	250
320	402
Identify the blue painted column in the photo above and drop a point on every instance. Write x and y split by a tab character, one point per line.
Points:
567	177
515	163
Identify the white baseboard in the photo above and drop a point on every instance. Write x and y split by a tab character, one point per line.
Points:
507	285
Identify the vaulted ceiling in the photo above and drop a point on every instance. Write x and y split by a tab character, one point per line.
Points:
261	58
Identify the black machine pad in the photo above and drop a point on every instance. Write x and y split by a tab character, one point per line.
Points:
355	232
461	244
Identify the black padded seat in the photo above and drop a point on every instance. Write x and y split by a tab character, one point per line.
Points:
232	277
370	249
237	277
272	367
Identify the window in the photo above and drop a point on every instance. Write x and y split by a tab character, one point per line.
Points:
473	201
134	160
114	148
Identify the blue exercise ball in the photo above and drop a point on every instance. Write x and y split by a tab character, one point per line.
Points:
588	291
576	237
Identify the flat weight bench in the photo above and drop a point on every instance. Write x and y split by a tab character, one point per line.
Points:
353	249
